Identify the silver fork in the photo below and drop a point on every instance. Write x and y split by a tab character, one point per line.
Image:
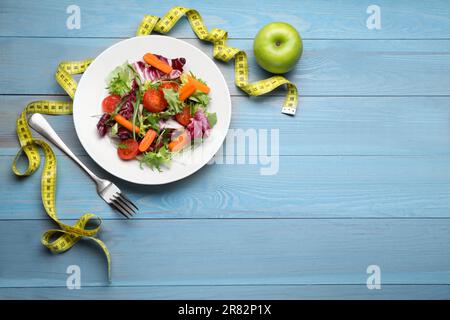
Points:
107	190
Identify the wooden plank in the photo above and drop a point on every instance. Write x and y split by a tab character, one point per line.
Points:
304	187
282	292
314	19
323	125
235	252
328	67
374	160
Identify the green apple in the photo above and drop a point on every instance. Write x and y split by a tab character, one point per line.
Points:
277	47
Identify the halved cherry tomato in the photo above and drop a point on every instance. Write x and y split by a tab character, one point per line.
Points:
128	149
110	103
154	100
168	85
184	117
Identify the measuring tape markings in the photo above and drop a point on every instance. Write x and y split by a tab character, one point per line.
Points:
221	52
61	240
56	240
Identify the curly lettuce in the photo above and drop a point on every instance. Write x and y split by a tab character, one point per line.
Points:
120	80
156	159
174	104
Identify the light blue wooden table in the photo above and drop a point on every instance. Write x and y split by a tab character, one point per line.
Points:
364	166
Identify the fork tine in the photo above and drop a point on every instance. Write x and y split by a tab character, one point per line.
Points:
122	211
128	201
123	204
123	207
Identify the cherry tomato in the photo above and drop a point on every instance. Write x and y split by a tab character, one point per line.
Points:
168	85
128	149
184	117
154	100
110	103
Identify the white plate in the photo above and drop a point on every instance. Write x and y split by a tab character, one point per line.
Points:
92	89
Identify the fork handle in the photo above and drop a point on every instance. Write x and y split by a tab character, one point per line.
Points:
40	125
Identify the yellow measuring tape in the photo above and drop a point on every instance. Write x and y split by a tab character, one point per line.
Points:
61	240
222	52
57	240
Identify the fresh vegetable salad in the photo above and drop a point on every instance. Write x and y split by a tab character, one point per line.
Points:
154	109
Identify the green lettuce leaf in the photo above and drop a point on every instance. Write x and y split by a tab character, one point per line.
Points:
200	97
156	159
212	119
120	80
175	105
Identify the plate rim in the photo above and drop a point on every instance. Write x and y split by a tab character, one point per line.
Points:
216	148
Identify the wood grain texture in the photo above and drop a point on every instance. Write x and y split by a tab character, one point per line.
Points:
304	187
341	19
235	252
323	126
364	167
281	292
327	67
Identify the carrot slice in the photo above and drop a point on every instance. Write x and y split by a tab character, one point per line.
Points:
199	85
186	91
125	123
150	135
179	143
152	60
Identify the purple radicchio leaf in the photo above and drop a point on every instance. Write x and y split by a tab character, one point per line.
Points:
103	124
147	72
169	124
178	64
123	133
199	126
127	108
